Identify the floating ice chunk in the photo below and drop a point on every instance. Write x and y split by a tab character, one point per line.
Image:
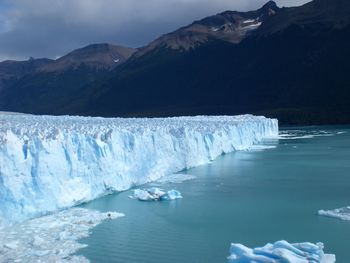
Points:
171	195
341	132
155	194
305	134
340	213
175	178
328	258
142	195
150	194
280	252
261	147
52	238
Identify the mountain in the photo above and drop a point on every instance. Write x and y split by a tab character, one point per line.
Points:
96	57
289	63
230	26
317	14
11	71
40	84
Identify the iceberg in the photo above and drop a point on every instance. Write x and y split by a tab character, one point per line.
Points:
279	252
156	194
171	195
48	163
51	238
339	213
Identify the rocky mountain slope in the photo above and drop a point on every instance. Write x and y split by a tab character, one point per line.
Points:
289	63
42	83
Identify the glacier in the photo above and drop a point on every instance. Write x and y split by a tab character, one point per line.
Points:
281	251
48	163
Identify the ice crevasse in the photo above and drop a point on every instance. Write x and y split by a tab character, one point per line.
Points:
48	163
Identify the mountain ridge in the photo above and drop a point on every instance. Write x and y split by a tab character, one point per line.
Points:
292	66
97	56
230	26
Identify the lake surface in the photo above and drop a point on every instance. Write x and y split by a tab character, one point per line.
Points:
251	198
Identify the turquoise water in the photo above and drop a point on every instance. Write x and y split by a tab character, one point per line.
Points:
245	197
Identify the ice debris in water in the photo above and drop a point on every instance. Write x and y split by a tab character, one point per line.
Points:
261	147
53	162
175	178
156	194
281	252
52	238
340	213
306	134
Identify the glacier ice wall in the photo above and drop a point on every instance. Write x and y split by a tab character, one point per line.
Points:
48	163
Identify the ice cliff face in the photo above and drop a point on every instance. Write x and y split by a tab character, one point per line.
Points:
48	163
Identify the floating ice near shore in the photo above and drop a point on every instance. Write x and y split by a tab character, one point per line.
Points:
340	213
261	147
175	178
280	252
156	194
51	238
48	163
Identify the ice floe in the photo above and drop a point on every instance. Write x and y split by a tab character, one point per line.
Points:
307	134
175	178
261	147
340	213
51	238
155	194
280	252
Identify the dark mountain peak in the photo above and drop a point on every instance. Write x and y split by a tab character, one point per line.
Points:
228	26
270	4
95	56
11	70
91	59
269	9
19	68
320	14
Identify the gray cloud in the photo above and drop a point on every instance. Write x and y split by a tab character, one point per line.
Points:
51	28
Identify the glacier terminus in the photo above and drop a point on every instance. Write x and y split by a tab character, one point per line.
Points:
48	163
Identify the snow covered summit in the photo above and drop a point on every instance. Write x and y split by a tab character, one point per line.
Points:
48	163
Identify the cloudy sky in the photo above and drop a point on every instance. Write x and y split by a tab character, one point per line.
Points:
51	28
